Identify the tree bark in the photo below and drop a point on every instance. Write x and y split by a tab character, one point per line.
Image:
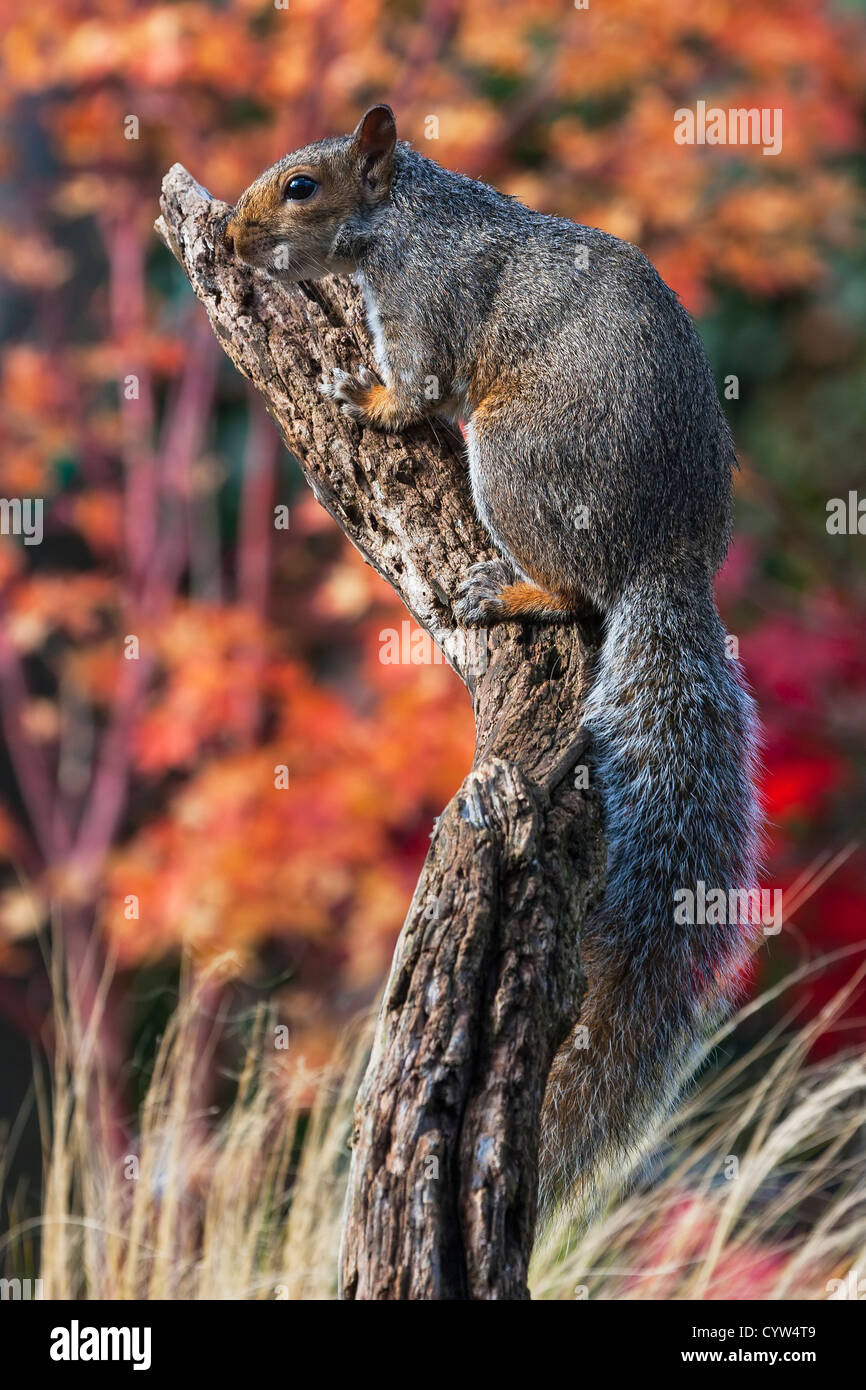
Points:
486	980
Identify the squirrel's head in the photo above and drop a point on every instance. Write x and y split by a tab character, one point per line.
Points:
302	217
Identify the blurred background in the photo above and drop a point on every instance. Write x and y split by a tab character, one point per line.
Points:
167	647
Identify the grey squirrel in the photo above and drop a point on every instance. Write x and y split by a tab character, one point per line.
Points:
600	463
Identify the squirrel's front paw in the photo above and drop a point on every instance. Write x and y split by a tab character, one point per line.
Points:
478	601
352	392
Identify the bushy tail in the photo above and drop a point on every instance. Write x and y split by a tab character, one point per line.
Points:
674	733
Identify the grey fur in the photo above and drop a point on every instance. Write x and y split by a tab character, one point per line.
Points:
600	462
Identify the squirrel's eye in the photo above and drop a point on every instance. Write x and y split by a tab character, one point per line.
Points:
300	187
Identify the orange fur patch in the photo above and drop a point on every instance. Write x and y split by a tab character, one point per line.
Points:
378	405
522	600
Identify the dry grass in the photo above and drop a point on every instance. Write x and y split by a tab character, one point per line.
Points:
248	1207
757	1188
758	1194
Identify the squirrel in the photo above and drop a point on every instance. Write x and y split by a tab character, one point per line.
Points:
601	465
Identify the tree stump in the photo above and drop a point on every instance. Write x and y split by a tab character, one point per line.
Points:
486	982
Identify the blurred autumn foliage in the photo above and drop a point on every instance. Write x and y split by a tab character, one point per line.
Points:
168	650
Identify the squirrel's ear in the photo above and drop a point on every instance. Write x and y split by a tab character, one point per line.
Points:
374	139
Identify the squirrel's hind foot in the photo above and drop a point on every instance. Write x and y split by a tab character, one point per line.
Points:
366	399
490	593
352	393
478	602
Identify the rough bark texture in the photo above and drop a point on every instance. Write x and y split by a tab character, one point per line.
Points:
486	977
